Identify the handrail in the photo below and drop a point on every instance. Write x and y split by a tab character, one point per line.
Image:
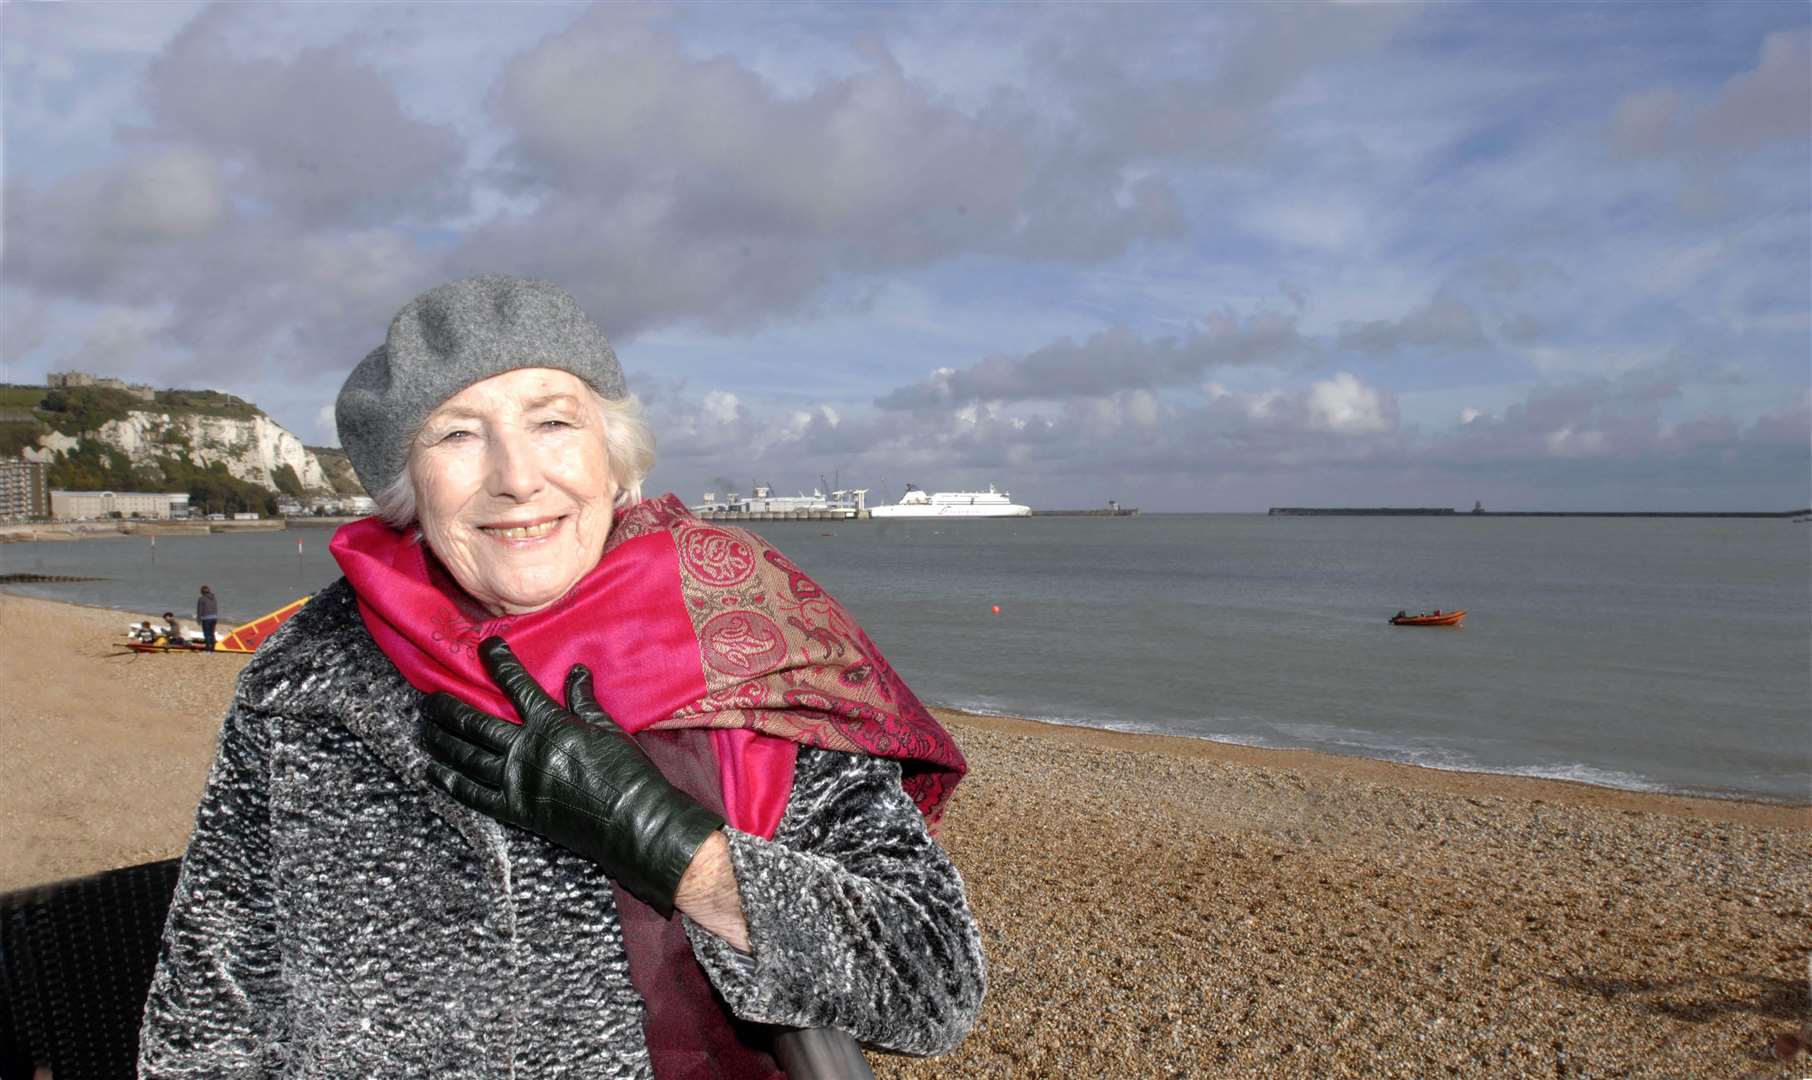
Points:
820	1054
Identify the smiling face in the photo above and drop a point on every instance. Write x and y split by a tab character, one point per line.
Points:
513	487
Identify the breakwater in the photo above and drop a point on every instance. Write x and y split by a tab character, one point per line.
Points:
1361	511
1442	511
1114	511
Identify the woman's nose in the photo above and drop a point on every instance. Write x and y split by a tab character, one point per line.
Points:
514	470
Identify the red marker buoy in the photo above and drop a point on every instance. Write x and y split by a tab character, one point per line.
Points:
997	609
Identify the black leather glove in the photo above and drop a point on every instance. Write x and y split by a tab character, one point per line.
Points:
568	774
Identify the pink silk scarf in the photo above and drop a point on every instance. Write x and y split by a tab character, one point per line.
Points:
684	624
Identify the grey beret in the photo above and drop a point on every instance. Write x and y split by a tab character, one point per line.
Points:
449	338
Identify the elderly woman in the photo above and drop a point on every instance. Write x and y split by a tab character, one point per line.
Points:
556	780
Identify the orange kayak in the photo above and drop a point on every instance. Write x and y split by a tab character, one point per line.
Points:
1440	618
248	637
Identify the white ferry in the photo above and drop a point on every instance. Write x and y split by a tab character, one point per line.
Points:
952	504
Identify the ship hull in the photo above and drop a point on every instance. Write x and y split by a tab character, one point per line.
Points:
896	513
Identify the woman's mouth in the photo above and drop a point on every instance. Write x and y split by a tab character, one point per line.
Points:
521	530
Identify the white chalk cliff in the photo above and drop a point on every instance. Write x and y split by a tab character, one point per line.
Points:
252	449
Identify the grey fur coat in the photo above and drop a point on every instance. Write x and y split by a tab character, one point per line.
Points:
338	917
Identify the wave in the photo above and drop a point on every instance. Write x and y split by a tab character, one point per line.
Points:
1328	739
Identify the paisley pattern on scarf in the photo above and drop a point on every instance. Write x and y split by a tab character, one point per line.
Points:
829	686
742	643
715	557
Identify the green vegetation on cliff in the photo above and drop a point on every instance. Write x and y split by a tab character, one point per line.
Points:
77	409
27	412
284	476
338	469
213	490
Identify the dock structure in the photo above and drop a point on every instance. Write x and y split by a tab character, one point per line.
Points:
849	504
837	514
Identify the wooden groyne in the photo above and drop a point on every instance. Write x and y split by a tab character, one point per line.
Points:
43	579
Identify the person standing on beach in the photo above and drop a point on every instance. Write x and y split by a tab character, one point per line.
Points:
207	610
557	779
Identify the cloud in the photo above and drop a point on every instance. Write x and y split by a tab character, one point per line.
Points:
175	195
318	137
1442	323
670	186
1769	103
1108	362
1343	406
243	197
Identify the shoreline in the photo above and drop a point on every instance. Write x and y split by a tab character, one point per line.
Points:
1478	783
1738	806
227	624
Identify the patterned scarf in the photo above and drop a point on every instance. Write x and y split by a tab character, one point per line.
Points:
684	624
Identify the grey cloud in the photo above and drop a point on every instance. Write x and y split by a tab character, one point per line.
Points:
724	200
1193	83
1523	329
237	212
1108	362
1764	105
1443	323
321	136
1774	101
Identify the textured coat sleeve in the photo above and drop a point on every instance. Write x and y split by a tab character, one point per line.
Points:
857	919
216	1007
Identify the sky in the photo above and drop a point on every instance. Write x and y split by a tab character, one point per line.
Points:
1190	257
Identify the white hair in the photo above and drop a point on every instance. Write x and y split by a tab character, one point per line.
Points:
628	444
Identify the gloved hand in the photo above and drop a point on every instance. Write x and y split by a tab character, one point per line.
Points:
568	774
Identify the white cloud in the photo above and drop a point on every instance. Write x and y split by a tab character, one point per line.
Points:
1345	406
721	407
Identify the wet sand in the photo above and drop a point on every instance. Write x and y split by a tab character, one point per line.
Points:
1157	906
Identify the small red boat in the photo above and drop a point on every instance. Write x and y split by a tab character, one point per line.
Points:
1437	618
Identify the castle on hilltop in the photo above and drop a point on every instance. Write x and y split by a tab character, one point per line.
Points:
68	379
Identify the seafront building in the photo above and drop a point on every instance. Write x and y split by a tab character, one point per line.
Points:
24	493
79	505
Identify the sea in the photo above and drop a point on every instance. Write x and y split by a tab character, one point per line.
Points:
1655	654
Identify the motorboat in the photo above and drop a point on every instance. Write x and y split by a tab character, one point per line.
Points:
1434	618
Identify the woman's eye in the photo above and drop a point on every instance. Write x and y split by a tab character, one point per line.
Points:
456	436
555	424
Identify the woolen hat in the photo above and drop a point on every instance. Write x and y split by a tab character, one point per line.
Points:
449	338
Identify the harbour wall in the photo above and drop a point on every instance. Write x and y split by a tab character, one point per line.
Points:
1441	511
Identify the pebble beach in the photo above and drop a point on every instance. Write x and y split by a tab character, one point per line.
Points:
1160	907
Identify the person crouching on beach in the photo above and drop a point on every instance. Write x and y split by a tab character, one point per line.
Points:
207	611
557	779
173	631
